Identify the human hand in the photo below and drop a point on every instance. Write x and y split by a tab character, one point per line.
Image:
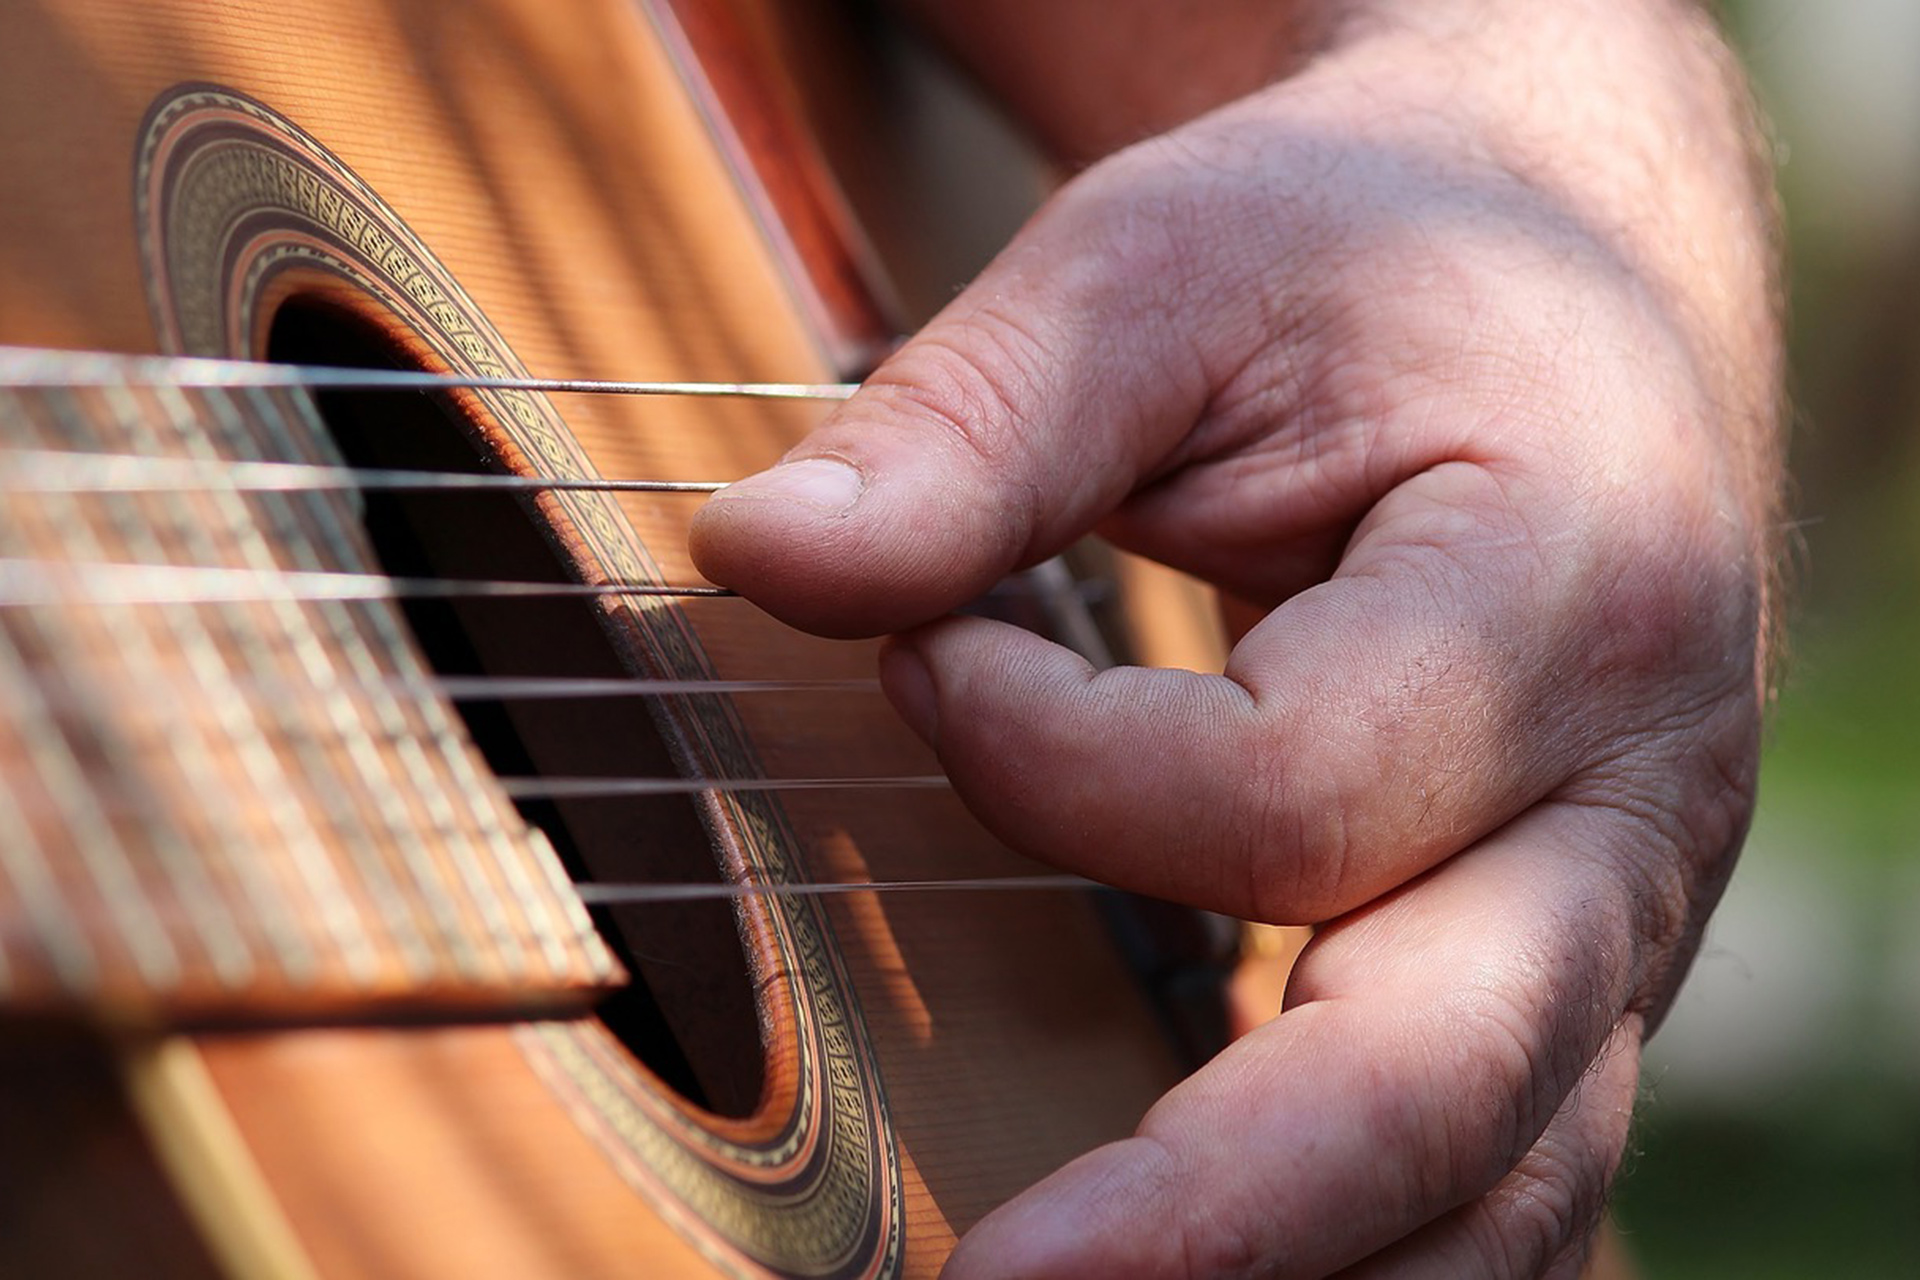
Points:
1452	353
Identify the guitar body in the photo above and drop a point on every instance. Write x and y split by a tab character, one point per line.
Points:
288	985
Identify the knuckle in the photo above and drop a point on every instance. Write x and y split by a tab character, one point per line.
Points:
1542	1216
1510	1086
1521	1050
1351	790
1297	815
971	396
1657	881
1677	800
1199	1245
1547	1210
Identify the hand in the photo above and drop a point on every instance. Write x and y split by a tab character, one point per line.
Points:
1452	353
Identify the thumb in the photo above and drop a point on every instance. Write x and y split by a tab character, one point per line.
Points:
1026	410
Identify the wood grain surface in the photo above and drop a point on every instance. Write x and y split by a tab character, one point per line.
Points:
406	1118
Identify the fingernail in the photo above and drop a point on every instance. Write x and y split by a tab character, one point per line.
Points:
909	687
826	483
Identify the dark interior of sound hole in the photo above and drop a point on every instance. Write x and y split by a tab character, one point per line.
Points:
689	1011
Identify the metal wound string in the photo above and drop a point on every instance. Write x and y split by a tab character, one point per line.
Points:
53	369
29	583
109	582
640	894
75	472
545	788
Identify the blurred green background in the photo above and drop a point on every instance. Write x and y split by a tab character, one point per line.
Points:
1780	1136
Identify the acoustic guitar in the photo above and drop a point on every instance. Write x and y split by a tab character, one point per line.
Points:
405	870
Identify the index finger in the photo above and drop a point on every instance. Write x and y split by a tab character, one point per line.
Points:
1447	678
1432	1040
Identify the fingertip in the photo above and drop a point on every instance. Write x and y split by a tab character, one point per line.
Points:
855	541
791	540
734	533
828	485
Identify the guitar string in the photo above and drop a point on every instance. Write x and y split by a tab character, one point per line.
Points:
599	894
557	688
546	788
30	583
485	688
88	472
540	787
48	368
76	472
59	471
39	582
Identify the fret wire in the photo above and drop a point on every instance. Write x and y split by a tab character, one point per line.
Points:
77	472
478	688
102	582
533	788
53	369
640	894
109	582
557	688
542	788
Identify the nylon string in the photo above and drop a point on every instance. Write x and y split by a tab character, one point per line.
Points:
48	368
54	471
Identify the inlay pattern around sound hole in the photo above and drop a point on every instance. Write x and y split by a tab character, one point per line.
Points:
246	220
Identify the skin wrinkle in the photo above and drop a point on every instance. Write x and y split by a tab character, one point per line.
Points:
1644	655
1463	1162
1542	1057
1424	552
1521	389
1042	814
1525	1171
1408	260
1273	795
946	409
1375	386
1571	1188
1308	1161
1490	1206
1451	1158
1760	334
1191	335
1009	366
1213	1247
1548	1198
1590	909
1137	224
1313	761
1317	840
1324	826
1650	873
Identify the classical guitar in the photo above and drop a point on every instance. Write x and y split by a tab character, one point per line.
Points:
336	762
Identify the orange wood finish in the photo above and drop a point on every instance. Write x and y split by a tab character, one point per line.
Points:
552	158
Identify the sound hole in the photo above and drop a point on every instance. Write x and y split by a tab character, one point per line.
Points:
689	1013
